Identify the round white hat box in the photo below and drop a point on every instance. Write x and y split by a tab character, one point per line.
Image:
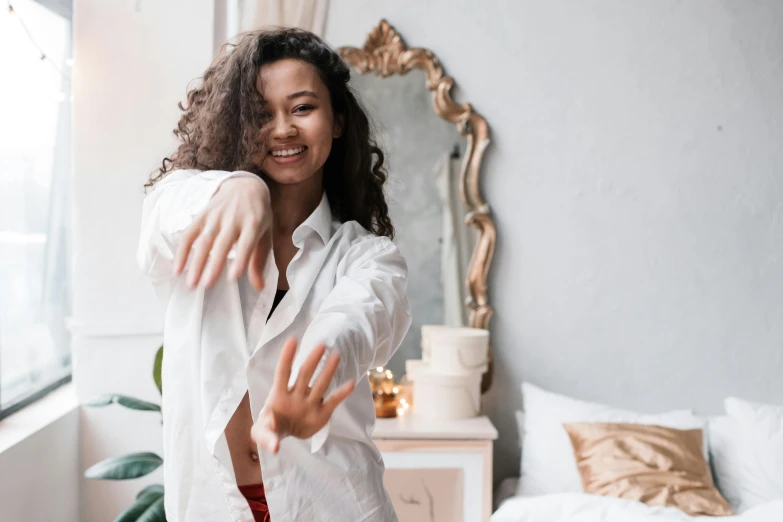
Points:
459	351
412	368
446	397
426	331
448	332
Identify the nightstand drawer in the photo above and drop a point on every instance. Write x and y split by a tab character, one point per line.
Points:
439	481
438	471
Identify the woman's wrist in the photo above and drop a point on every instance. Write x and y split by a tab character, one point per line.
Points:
249	184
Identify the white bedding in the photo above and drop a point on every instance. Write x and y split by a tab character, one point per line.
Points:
580	507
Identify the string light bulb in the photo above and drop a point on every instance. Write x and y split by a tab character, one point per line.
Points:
43	58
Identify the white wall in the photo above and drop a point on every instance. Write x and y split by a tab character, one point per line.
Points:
636	178
39	470
133	61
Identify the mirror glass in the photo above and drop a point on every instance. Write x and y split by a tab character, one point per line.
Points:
423	157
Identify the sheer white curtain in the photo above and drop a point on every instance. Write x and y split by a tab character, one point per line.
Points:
304	14
455	253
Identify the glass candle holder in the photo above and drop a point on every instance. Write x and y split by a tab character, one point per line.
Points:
385	404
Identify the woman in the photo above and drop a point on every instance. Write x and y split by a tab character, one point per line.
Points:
268	225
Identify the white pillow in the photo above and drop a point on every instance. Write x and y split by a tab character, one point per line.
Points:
520	418
761	451
723	436
548	463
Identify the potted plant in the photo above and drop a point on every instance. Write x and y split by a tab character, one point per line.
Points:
148	506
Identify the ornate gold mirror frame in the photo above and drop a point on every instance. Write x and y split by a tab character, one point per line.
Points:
384	54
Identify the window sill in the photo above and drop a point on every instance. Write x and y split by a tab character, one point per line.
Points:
29	420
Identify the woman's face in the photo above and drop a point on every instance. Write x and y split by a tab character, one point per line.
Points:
301	126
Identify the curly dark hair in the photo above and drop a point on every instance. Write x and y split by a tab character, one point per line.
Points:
222	125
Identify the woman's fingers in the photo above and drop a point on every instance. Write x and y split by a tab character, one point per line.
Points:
190	235
218	256
245	243
200	253
258	261
323	380
284	364
307	369
337	397
265	432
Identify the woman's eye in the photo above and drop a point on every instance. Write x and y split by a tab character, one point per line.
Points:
303	108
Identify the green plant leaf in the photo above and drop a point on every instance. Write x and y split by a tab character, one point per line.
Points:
123	400
145	503
136	404
154	488
156	369
103	400
155	513
126	467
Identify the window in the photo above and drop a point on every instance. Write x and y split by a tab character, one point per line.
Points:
35	157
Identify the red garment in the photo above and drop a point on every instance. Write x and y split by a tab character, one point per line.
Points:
254	493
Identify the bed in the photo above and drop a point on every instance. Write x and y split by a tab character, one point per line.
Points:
741	453
581	507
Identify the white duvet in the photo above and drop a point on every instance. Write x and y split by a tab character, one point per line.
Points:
581	507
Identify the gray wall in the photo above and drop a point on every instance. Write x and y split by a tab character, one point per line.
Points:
636	177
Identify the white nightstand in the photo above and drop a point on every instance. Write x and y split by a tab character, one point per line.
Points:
438	471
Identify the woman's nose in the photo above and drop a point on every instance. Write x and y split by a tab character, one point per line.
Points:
283	128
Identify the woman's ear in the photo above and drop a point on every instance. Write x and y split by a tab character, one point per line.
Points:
339	126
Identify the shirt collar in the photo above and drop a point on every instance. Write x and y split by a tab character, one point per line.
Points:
320	221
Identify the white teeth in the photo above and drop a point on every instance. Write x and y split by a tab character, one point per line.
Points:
288	152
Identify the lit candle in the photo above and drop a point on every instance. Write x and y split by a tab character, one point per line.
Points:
385	404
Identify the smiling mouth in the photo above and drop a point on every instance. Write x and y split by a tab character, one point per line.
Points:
287	153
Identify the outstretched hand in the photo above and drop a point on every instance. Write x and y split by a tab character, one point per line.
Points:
239	214
300	411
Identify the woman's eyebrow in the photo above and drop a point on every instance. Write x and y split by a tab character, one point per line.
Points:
300	94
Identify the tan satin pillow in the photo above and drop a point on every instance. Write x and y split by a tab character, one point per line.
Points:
652	464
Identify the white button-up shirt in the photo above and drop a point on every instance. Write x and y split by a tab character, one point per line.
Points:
347	289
